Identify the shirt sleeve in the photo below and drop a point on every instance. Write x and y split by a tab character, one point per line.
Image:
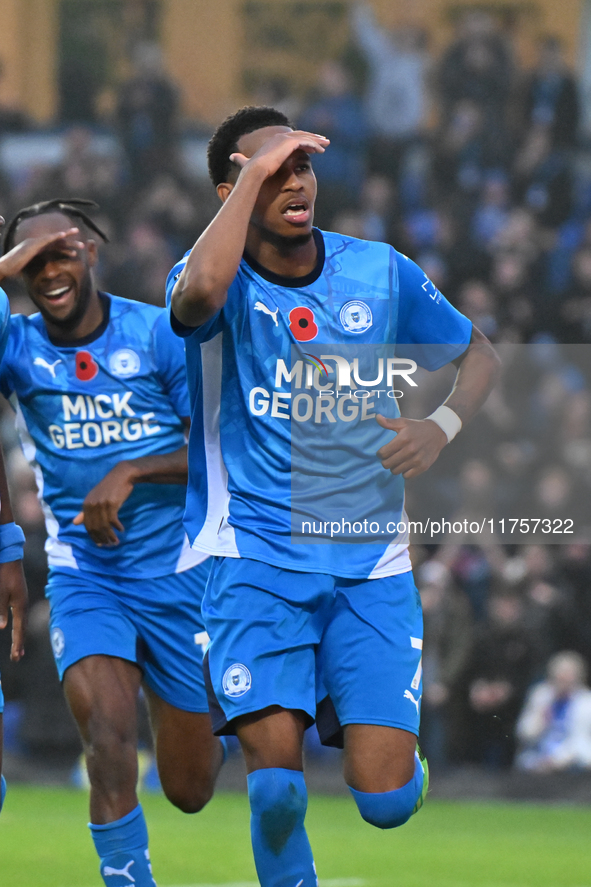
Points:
430	330
202	333
169	355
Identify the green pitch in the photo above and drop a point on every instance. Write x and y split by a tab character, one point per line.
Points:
43	840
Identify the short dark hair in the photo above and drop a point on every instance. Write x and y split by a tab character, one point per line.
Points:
70	207
224	141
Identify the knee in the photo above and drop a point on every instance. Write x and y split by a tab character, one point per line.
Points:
278	798
110	754
390	809
188	798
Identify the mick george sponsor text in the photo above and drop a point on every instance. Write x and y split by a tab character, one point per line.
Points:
345	398
100	419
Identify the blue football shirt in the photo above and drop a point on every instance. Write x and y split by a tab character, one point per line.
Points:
118	394
262	450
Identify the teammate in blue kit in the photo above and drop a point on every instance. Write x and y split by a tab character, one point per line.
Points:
260	287
98	384
13	589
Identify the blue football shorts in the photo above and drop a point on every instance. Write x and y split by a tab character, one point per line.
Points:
1	698
344	651
155	623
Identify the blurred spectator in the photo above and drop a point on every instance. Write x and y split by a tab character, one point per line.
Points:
550	613
543	177
147	116
376	218
478	68
396	96
447	647
464	151
492	212
498	675
554	728
144	262
552	100
83	65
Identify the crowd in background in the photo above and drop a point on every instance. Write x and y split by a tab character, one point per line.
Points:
481	172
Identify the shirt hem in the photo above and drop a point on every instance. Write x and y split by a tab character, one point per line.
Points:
120	574
309	568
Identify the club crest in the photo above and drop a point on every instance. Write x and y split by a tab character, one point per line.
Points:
237	680
58	642
356	317
124	363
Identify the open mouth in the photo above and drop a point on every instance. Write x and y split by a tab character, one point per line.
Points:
296	212
58	293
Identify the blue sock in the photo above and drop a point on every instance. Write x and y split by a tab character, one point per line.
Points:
2	791
282	853
391	809
122	847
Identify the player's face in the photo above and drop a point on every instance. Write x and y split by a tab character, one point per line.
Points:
285	205
60	285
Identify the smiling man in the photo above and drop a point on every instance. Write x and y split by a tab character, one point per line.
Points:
258	291
98	383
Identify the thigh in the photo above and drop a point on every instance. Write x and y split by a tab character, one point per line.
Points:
265	624
185	745
378	759
272	738
166	612
88	618
102	693
370	654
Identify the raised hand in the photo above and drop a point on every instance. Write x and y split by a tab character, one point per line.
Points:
20	255
273	154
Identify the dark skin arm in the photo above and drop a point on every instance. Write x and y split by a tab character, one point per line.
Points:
418	442
100	509
13	588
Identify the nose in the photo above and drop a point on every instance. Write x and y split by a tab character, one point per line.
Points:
50	270
293	182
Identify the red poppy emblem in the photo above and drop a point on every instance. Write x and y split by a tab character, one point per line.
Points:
302	325
86	366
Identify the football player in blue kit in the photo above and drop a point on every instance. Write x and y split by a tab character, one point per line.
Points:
13	589
260	285
98	385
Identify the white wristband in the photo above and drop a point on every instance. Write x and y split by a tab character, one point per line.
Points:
449	422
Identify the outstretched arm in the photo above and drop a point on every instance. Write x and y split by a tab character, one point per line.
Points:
201	290
418	442
100	509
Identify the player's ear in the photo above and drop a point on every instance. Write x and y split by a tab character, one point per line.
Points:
91	252
224	190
